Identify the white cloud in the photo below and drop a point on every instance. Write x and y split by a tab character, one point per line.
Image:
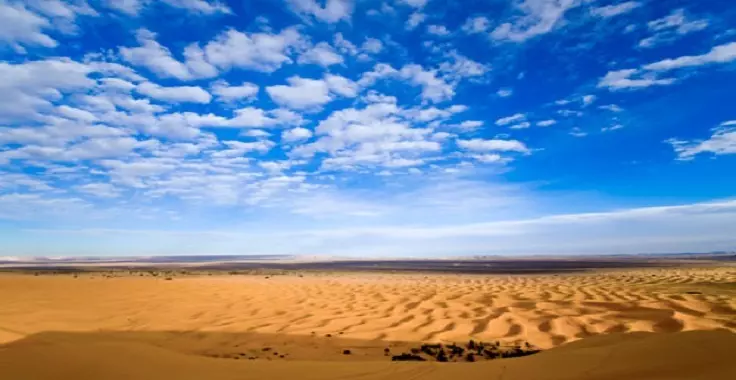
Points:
19	25
258	133
341	85
577	132
76	114
343	45
433	88
505	92
722	141
471	124
300	93
135	7
415	3
369	137
159	60
31	86
622	79
296	134
199	6
372	46
459	66
647	75
671	27
615	9
614	127
522	125
321	54
238	148
495	145
611	107
332	11
511	119
476	25
175	94
437	30
546	123
588	100
537	17
414	20
130	7
719	54
226	93
101	190
256	51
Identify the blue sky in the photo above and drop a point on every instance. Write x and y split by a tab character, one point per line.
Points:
366	128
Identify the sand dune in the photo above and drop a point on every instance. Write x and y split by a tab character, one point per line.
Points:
193	324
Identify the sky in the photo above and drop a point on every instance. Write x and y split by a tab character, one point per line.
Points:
362	128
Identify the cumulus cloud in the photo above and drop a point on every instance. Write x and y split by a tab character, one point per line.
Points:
226	93
300	93
296	134
494	145
437	30
478	24
20	26
158	59
332	11
263	51
414	20
321	54
29	87
174	94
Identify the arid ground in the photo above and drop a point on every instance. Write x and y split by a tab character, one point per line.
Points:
339	325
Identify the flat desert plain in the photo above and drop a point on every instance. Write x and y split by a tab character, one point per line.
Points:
652	323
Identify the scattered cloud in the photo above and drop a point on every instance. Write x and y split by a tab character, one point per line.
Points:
671	27
615	9
176	94
577	132
505	92
321	54
475	25
546	123
331	12
510	119
414	20
481	145
534	18
20	26
437	30
614	127
226	93
722	141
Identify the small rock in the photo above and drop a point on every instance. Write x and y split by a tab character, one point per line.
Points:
346	352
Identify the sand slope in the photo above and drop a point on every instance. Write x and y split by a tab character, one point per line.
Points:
687	355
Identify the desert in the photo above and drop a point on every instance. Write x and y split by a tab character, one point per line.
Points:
285	321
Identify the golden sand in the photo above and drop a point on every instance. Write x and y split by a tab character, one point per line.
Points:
193	326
